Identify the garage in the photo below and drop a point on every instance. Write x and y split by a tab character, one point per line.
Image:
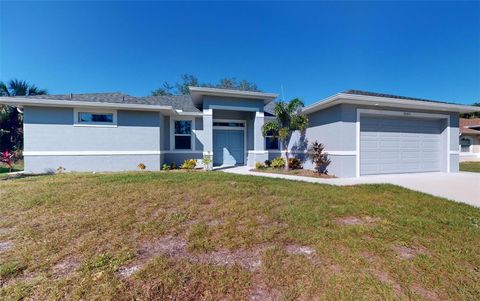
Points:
392	144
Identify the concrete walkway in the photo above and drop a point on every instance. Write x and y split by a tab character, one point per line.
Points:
461	187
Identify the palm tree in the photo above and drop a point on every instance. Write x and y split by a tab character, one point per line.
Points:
288	120
11	121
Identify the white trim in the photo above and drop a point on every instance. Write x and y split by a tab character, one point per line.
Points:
259	114
260	152
208	112
89	153
172	133
244	128
398	114
76	122
197	94
456	153
332	153
387	102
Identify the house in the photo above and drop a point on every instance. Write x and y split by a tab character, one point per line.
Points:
364	133
469	139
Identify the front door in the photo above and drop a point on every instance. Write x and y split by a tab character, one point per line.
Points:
228	147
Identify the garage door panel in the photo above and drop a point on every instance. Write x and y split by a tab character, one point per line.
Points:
399	145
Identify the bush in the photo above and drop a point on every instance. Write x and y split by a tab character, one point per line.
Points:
319	157
189	164
268	163
142	166
294	163
166	167
278	162
260	165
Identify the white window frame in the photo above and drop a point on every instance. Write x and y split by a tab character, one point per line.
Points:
172	133
271	149
77	122
470	148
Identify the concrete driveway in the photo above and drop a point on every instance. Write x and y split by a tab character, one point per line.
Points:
461	187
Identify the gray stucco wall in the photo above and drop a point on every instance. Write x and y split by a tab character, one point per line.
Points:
335	127
52	130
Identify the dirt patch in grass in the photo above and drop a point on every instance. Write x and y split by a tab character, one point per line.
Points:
4	231
66	267
176	248
6	245
355	220
300	250
370	257
408	252
424	293
386	278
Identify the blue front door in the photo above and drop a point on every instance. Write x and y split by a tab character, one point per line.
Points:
228	147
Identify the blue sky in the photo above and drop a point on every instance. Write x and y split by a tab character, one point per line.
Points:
313	49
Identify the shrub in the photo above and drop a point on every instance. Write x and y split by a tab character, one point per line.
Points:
207	162
141	166
278	162
260	165
7	158
189	164
294	163
268	163
166	167
319	157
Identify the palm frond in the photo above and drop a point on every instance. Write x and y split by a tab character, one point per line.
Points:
271	127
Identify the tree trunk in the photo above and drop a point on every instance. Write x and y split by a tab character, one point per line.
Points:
286	156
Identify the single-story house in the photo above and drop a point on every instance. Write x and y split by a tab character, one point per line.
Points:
469	139
364	133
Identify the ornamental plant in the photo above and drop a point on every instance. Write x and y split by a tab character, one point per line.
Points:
288	119
7	158
278	162
319	157
189	164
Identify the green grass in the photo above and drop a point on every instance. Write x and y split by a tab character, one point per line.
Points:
470	166
73	233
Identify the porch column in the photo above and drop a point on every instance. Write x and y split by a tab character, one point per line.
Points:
208	132
260	154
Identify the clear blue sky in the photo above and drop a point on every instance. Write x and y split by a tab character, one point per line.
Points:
315	49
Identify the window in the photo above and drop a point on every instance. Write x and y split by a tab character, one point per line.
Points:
95	118
271	142
465	144
183	134
229	124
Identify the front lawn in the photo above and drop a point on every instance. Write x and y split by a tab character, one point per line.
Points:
211	236
470	166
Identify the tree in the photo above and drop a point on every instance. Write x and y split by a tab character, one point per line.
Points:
166	89
188	80
472	115
288	120
11	121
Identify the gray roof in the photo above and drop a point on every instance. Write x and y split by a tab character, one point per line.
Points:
177	102
366	93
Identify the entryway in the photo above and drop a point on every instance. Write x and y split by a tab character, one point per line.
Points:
228	143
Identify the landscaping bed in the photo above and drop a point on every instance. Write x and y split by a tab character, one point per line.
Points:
217	236
294	172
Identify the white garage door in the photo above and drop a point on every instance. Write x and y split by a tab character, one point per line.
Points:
399	145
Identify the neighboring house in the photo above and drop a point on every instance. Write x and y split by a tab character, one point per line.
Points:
364	133
469	139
